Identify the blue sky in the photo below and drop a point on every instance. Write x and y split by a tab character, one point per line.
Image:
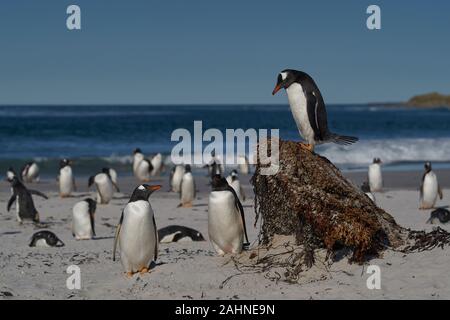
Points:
207	51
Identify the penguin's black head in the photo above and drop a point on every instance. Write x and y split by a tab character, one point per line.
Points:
286	78
143	192
92	205
64	162
187	168
427	166
219	183
234	175
137	150
105	170
377	160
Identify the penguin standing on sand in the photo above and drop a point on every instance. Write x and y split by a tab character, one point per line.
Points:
25	208
226	220
375	176
233	181
137	233
112	174
104	186
187	188
429	189
30	172
176	175
308	109
83	219
244	165
157	164
45	239
143	170
66	179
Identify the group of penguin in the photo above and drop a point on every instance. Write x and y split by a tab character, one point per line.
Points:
430	191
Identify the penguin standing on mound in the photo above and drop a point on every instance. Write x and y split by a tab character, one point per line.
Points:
375	176
233	181
30	172
366	189
308	109
83	219
176	175
66	179
25	208
137	233
187	188
157	164
226	220
440	215
429	189
104	186
45	239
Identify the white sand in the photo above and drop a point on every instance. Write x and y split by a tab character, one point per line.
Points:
192	270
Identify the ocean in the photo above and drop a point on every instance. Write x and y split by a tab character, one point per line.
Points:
97	136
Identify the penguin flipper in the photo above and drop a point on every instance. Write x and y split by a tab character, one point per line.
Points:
115	186
440	192
316	110
155	230
11	201
241	211
38	193
116	236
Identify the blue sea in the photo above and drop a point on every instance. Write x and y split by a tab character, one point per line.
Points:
97	136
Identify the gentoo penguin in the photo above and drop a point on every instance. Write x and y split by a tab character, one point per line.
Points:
157	164
366	189
375	176
45	239
233	181
244	166
11	173
176	175
187	188
113	176
137	233
143	170
178	234
226	220
138	156
440	215
308	109
66	178
25	208
83	224
30	172
104	186
429	189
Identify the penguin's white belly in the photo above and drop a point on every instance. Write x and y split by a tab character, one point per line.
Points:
430	190
65	181
137	158
33	172
371	197
298	104
104	188
157	164
224	223
143	171
137	237
187	188
81	221
176	178
236	185
42	243
375	178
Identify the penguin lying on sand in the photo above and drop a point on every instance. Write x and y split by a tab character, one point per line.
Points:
178	234
45	239
440	215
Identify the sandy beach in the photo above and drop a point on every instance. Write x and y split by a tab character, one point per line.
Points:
191	270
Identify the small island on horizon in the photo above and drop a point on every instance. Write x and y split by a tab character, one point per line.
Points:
429	100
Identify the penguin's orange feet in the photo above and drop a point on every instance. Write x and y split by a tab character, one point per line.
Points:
144	270
187	205
129	275
307	146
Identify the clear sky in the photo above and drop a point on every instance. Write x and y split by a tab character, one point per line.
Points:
208	51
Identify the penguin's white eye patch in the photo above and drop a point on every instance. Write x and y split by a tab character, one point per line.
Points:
283	75
141	187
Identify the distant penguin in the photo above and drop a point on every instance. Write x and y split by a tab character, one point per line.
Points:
138	156
187	188
157	164
178	234
226	220
137	233
30	172
440	215
45	239
176	176
11	173
66	178
113	176
233	181
83	219
104	186
429	189
25	208
375	176
366	189
214	165
244	165
144	170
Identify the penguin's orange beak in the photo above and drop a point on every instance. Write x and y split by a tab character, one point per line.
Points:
277	88
154	187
